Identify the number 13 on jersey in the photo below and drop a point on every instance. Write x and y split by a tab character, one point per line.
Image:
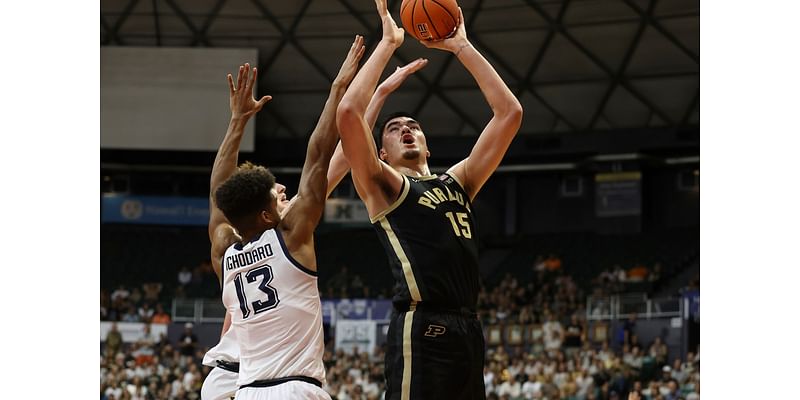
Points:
251	277
460	223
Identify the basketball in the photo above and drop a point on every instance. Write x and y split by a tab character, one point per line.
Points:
429	20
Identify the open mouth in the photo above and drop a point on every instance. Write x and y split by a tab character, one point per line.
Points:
407	138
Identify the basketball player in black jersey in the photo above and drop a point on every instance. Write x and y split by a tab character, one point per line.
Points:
425	222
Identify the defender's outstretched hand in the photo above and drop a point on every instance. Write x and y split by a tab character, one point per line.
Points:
350	65
455	43
401	73
243	102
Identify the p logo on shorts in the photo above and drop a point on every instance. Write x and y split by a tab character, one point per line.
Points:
435	330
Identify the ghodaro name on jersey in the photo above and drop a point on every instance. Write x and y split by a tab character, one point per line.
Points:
246	258
433	197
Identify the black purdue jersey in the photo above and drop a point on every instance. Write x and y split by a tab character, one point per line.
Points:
430	238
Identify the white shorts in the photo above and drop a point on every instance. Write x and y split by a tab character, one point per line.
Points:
220	384
286	390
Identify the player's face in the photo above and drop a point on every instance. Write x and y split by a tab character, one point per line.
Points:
279	194
403	139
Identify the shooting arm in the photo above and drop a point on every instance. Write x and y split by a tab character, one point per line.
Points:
501	129
369	174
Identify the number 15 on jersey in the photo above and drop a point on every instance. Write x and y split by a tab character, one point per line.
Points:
461	227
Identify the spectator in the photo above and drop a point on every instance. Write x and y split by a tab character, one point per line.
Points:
658	351
488	379
510	386
672	390
179	293
192	380
160	317
655	276
678	373
113	341
539	264
356	286
145	312
113	391
634	341
553	333
652	390
184	276
628	329
340	279
637	274
120	294
136	389
152	292
105	305
130	315
552	263
635	359
146	344
690	366
135	297
531	387
573	336
188	340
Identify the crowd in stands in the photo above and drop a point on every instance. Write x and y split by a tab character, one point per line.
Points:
140	304
617	279
562	362
151	368
344	284
147	302
157	369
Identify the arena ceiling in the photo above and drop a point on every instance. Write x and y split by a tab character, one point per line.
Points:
576	65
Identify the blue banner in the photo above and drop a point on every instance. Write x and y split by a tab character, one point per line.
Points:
355	309
154	210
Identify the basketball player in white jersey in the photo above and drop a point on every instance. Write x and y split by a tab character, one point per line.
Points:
265	258
221	383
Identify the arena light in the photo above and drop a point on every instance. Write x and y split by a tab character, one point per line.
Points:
682	160
617	157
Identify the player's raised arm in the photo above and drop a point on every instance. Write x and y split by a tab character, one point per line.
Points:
339	165
301	220
493	142
377	184
243	106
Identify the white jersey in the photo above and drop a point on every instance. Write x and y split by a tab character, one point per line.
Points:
276	311
226	350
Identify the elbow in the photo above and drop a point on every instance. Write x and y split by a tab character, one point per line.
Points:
512	113
515	111
347	115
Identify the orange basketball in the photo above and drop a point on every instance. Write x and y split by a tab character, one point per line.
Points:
429	20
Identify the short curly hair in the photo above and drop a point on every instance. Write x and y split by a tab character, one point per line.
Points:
245	193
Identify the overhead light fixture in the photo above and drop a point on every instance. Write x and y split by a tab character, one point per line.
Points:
682	160
617	157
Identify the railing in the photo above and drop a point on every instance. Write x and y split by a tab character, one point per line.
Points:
598	308
601	308
198	310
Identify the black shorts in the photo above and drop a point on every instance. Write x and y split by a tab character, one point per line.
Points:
434	355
